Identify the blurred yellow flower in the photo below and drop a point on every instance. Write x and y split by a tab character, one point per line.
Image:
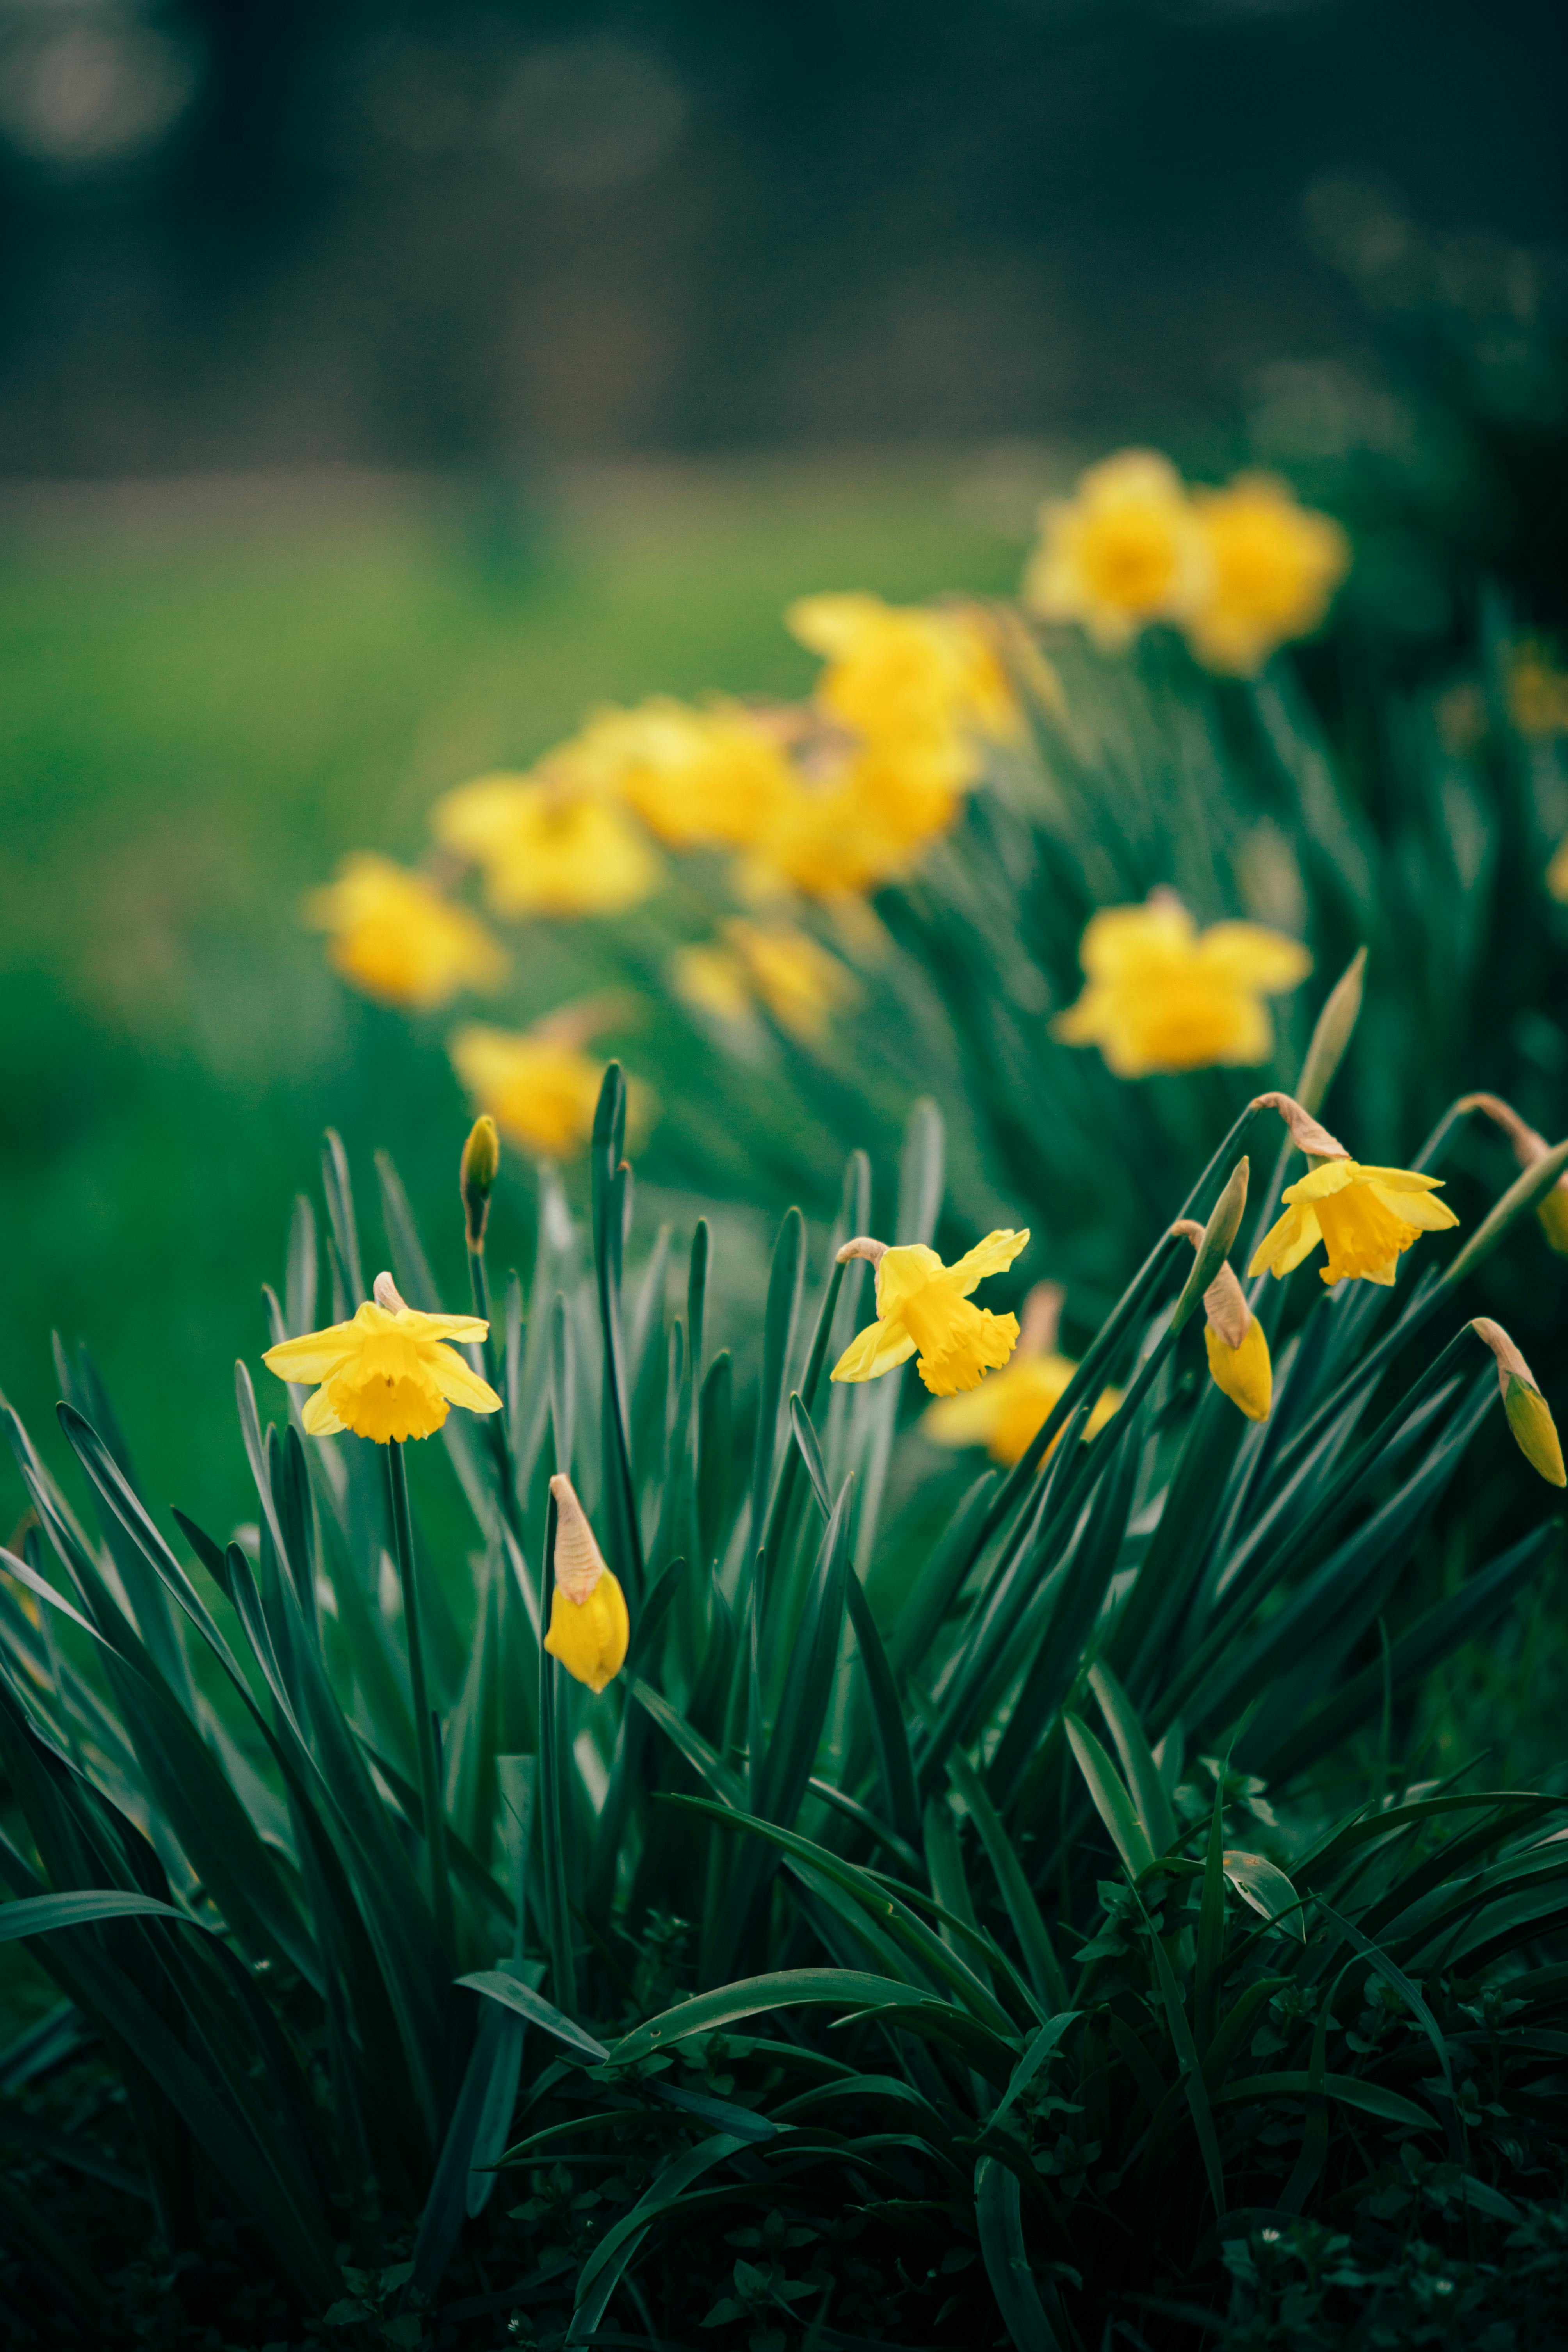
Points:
905	673
1006	1410
923	1305
1124	550
696	778
1537	691
1364	1217
1557	872
546	848
1270	573
388	1374
539	1090
867	822
1160	995
797	980
590	1630
394	935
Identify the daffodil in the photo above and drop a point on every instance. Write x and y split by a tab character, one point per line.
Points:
777	964
546	848
539	1090
1527	1410
1123	551
1557	872
1270	569
907	674
388	1374
924	1306
393	934
714	777
1160	995
589	1628
1006	1410
1536	687
1365	1219
1234	1340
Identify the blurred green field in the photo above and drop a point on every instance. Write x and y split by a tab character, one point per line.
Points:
210	695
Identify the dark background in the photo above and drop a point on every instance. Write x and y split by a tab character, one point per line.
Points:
265	233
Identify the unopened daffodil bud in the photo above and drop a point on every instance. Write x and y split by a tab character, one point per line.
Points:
589	1627
1529	1414
1528	1148
476	1176
1237	1350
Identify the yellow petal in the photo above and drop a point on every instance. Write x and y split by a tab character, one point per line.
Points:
967	1420
313	1355
590	1638
1432	1216
458	1382
873	1351
989	1256
904	1270
1250	956
318	1419
1288	1240
1553	1214
420	1325
1245	1374
1399	1180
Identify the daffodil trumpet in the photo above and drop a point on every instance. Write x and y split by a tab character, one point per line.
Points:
1365	1217
589	1628
1008	1409
924	1310
1238	1349
1529	1415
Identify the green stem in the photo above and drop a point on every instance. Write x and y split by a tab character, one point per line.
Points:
498	1426
430	1796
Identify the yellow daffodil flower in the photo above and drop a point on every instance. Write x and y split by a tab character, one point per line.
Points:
1123	551
539	1090
1364	1217
393	935
545	848
1006	1410
1270	573
867	822
696	778
905	674
389	1374
923	1305
1160	995
800	985
590	1630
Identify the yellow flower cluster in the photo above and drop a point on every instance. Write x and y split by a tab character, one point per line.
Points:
775	965
1241	571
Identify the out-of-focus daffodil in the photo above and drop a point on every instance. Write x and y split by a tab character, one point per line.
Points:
393	934
545	848
1557	872
907	674
715	777
867	821
1160	995
1536	689
1529	1414
538	1084
923	1307
1123	551
589	1628
1270	569
777	964
1004	1411
389	1374
1364	1217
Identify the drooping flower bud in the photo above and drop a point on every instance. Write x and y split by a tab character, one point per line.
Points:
589	1628
477	1175
1529	1414
1528	1147
1305	1131
1237	1350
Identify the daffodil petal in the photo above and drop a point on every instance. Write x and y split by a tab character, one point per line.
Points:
904	1270
442	1326
876	1350
1249	956
458	1382
964	1420
1402	1179
318	1419
1419	1208
314	1355
1291	1238
989	1256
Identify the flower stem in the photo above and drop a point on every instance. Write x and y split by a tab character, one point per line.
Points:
498	1426
430	1795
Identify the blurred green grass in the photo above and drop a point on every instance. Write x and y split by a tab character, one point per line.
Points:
211	695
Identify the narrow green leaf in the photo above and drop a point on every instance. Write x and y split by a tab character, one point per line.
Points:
1111	1801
